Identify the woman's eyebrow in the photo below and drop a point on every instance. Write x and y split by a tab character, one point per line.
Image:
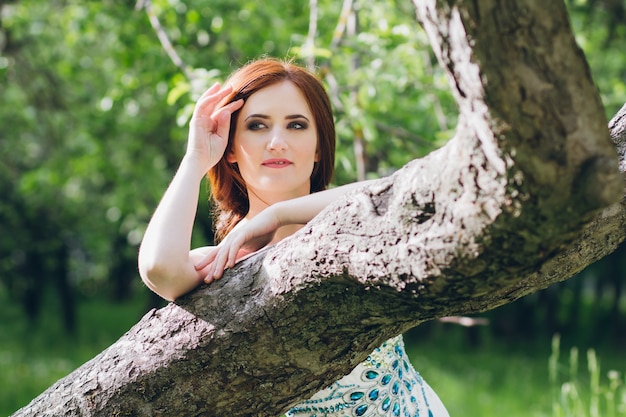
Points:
297	116
257	116
288	117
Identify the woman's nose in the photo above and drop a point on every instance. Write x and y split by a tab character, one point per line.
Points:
277	141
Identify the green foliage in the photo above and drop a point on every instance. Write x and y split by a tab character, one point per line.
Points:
600	30
94	111
391	97
389	92
94	114
87	125
589	395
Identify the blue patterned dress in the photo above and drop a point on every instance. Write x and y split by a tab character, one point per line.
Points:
385	384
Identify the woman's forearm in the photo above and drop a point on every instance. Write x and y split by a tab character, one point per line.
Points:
301	210
270	226
164	262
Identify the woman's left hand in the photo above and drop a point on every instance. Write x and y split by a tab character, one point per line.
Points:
242	241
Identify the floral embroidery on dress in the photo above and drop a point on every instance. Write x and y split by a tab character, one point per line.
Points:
385	384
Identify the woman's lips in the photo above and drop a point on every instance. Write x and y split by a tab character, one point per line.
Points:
276	163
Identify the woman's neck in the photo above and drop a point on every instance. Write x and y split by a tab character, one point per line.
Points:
258	204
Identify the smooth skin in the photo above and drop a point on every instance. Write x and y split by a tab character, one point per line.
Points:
275	147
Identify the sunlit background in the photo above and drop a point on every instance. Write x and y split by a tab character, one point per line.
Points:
94	101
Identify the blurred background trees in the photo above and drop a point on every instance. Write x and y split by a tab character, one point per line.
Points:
94	115
94	104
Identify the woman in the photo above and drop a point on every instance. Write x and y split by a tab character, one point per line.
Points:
267	141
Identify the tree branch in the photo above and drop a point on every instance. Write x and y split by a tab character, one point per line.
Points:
346	10
617	127
309	44
525	195
163	38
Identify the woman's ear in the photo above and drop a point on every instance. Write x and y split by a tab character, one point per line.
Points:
230	157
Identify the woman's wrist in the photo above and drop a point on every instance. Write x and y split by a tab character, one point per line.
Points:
278	213
193	164
289	212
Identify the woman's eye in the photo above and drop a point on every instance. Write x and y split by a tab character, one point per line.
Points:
297	125
255	125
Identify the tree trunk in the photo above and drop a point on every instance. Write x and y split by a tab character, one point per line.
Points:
525	195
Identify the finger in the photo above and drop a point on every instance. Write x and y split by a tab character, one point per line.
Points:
212	273
208	94
227	110
222	92
207	102
209	278
219	263
211	90
204	262
232	255
221	118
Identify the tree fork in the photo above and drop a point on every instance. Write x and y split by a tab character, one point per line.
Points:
506	208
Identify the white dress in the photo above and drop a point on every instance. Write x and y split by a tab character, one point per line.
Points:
385	384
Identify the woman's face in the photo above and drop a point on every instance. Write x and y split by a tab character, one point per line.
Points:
275	143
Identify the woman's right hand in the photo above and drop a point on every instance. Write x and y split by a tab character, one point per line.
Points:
209	127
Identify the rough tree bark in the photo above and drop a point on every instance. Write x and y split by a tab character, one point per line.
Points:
526	194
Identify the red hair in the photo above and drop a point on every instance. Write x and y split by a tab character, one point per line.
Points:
228	189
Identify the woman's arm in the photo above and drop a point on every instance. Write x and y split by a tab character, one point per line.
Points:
166	263
260	230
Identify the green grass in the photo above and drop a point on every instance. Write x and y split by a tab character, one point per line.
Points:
589	393
487	381
541	379
34	357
